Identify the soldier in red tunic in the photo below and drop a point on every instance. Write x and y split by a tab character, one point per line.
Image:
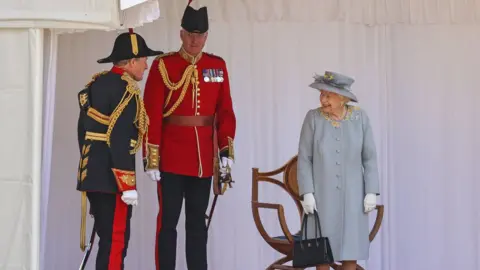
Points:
112	125
187	98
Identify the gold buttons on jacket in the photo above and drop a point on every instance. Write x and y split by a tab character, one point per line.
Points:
198	101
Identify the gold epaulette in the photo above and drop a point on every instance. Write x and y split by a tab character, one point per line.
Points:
163	55
95	76
84	102
214	55
83	94
141	119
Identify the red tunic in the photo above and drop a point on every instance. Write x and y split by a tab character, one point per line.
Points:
200	88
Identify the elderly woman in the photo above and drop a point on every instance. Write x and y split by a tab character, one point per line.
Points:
337	169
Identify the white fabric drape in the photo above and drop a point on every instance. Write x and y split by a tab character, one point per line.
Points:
36	68
367	12
20	162
50	77
16	184
417	84
432	146
131	17
370	12
76	15
140	14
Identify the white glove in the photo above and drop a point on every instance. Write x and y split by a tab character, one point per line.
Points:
308	203
370	202
130	197
226	162
154	175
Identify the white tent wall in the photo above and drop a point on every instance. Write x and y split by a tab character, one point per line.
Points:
21	91
415	81
27	85
20	164
50	77
77	14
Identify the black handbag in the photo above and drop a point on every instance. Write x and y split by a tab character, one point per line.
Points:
311	252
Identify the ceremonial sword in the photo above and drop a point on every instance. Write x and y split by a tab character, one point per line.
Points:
88	249
218	189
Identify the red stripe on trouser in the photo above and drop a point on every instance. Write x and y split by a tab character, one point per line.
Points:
118	234
159	223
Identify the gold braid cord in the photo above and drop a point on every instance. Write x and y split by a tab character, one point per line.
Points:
141	119
83	221
189	76
141	122
81	177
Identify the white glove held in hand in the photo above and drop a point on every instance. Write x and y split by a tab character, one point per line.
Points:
370	202
154	175
223	166
308	203
130	197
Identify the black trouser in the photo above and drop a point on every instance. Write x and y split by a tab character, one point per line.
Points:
112	223
172	188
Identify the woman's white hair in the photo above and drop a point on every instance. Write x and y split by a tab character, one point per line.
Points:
344	98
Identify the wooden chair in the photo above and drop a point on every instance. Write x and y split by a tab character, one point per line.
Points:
284	243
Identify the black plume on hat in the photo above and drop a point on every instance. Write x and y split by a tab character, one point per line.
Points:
195	21
127	46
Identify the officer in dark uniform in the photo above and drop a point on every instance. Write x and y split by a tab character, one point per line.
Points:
111	127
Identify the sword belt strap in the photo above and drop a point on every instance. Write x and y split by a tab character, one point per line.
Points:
190	121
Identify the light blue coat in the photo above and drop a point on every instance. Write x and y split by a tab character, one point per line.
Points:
337	162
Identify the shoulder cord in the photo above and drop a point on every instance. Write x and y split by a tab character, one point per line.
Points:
141	118
189	76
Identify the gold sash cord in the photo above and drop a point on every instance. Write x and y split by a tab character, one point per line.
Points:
189	76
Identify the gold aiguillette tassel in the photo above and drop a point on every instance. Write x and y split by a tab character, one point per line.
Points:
83	221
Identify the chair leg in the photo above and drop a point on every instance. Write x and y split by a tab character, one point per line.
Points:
335	266
280	261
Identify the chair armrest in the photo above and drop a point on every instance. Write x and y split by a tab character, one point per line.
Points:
378	222
281	217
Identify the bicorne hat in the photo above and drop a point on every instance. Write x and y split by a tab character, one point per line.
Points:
127	46
336	83
195	20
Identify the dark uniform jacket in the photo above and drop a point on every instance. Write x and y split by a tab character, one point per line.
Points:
111	127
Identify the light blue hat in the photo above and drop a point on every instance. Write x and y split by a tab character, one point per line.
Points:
335	83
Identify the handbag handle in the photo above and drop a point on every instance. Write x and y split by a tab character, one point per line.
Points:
303	233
